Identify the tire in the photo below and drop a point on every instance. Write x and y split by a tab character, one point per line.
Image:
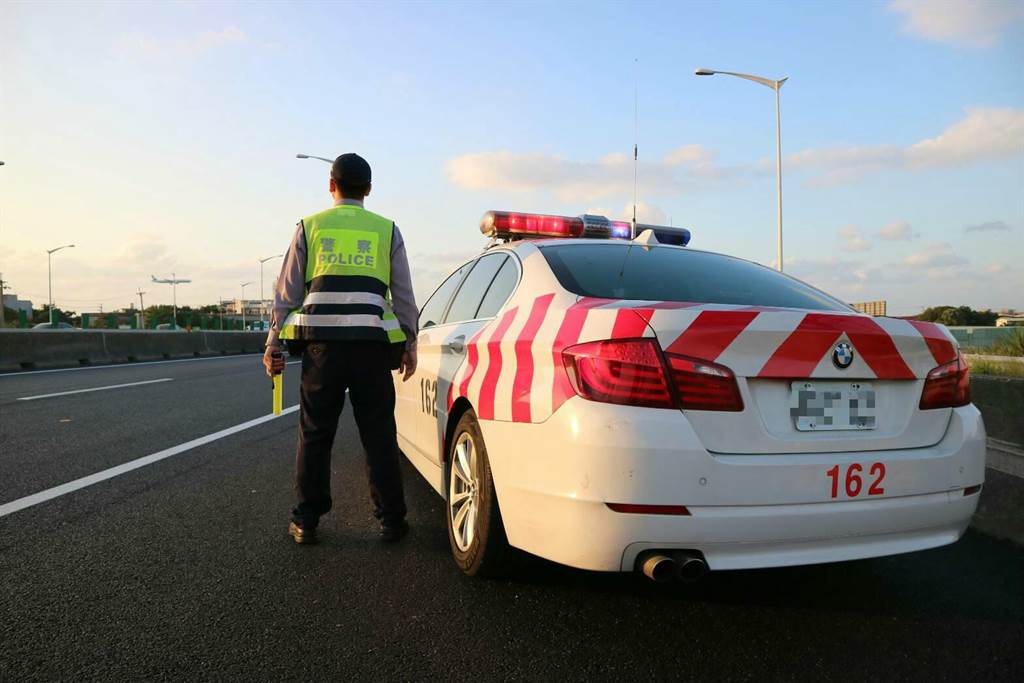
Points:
475	530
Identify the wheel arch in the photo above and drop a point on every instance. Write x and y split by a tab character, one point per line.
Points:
459	408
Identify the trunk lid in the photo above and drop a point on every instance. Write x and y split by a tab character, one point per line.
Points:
775	353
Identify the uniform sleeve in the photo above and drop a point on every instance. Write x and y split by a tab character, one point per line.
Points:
402	298
291	285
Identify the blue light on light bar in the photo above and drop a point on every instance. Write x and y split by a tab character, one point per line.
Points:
678	237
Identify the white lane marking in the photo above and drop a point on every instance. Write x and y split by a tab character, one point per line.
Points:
140	364
71	486
86	391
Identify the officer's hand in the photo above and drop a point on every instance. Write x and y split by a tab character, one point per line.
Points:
274	366
408	366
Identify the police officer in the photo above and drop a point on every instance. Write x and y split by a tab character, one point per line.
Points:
344	300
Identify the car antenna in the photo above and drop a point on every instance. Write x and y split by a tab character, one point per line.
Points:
636	127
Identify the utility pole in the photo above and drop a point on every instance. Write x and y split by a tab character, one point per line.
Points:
142	310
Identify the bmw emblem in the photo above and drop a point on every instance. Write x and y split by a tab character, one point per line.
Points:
842	355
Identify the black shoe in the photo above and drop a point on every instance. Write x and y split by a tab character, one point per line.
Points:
302	535
390	533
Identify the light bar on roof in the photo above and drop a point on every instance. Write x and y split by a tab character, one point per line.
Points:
510	225
507	224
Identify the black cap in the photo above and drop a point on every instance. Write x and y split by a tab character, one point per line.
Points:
351	169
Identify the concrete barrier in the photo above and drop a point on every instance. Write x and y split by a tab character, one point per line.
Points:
1001	402
39	349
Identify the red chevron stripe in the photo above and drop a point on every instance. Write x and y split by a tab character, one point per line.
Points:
485	406
631	322
942	349
524	359
472	358
567	335
814	337
711	333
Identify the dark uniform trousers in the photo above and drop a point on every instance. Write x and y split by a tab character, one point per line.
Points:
328	369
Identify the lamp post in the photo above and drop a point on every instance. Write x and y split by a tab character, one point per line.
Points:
310	156
49	275
776	86
242	302
173	282
263	300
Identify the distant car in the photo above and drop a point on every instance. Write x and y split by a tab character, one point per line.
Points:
167	326
58	326
617	404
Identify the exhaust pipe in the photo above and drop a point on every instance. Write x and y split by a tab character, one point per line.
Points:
658	567
690	566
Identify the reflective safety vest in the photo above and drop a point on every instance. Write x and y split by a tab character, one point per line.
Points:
348	277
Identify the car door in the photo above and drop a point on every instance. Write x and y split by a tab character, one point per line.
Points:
410	396
442	351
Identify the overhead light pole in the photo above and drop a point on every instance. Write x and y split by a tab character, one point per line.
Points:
49	274
310	156
242	302
263	299
173	282
775	85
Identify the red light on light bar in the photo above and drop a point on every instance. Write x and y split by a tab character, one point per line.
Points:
507	224
630	508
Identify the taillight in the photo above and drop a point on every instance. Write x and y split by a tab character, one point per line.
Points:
634	372
704	386
623	371
947	386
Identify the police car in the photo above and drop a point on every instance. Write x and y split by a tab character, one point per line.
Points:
625	404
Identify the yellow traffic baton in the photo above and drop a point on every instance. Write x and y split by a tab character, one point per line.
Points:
278	384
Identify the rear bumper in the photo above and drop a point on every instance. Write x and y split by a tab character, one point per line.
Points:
554	479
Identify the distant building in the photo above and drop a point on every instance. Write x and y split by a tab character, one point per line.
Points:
871	307
13	302
254	308
1010	321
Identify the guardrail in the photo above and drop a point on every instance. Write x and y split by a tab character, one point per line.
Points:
38	349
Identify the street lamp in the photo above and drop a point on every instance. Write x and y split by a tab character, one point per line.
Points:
309	156
263	300
173	282
49	274
776	86
242	302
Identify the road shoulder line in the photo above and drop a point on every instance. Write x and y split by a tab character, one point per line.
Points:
110	473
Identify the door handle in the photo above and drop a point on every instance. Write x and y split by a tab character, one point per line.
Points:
457	345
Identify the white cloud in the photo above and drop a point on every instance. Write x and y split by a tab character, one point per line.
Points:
897	232
974	23
991	226
984	134
852	238
938	255
184	48
574	181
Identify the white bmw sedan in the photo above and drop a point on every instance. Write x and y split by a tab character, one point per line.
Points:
624	404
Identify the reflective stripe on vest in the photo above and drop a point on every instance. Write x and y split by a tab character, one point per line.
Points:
348	275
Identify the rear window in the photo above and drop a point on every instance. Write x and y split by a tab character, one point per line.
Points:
623	271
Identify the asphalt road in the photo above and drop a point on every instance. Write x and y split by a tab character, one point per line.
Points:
182	570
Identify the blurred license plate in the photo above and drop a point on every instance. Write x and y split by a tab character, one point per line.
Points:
821	406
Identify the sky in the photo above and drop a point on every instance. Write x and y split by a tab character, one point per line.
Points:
161	137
